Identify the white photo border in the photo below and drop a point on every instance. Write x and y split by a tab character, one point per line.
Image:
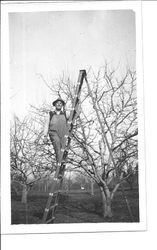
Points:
6	227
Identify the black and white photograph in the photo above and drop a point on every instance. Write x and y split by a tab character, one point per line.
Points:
74	151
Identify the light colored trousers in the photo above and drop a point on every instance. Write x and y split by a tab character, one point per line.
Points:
58	144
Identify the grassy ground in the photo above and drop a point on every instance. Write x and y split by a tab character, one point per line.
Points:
76	207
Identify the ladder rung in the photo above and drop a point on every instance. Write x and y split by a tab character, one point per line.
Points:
51	194
60	176
53	206
50	220
55	193
55	179
68	136
69	122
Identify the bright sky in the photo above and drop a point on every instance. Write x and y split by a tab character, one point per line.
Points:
49	43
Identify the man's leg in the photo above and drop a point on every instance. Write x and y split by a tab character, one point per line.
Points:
56	145
63	142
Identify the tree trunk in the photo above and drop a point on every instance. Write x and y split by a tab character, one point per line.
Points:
45	187
24	194
106	201
92	187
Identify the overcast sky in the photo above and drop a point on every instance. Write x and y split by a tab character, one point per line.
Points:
49	43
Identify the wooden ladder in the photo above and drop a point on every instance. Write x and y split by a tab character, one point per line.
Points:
49	213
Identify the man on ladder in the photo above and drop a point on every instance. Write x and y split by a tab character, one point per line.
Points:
56	127
60	133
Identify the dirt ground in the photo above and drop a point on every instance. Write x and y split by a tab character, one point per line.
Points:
75	207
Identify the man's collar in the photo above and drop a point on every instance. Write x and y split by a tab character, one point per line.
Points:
58	112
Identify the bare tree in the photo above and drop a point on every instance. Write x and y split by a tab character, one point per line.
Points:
104	141
30	159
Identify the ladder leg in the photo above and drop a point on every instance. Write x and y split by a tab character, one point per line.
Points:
51	194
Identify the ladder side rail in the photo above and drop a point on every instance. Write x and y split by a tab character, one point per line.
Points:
72	114
56	200
64	151
51	194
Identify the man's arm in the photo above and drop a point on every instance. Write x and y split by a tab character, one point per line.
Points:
46	127
68	111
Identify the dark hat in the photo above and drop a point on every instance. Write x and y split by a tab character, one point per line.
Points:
59	99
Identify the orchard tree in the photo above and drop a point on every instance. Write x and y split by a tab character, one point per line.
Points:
104	141
30	159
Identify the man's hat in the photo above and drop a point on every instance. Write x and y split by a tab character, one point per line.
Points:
59	99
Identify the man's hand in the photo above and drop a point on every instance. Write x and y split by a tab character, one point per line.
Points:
45	140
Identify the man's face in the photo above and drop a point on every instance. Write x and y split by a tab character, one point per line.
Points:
59	105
